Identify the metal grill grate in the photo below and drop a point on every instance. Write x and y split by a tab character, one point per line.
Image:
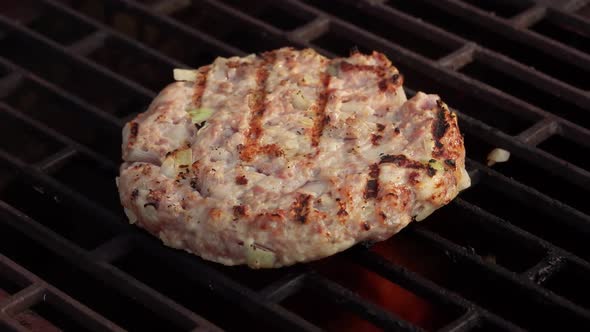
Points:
511	253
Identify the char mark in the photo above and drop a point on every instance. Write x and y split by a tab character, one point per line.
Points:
450	162
200	84
439	126
133	130
257	108
372	188
375	139
390	84
301	207
239	211
401	160
241	180
321	119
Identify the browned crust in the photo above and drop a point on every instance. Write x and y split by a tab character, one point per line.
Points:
391	84
300	208
401	160
241	180
200	84
449	145
320	117
239	211
257	107
372	187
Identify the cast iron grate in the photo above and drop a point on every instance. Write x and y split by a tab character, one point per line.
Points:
510	254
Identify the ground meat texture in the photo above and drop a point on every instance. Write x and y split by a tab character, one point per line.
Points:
299	157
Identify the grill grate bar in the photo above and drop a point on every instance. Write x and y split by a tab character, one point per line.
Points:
528	17
284	287
89	43
245	18
539	132
11	324
406	21
40	291
23	299
558	303
516	190
98	38
72	146
507	66
503	28
75	198
114	248
31	35
573	174
107	119
157	302
458	58
168	7
560	16
107	274
422	286
310	31
370	311
464	323
542	81
546	268
250	301
57	160
170	23
9	83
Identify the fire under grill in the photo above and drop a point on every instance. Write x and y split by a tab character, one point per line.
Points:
511	253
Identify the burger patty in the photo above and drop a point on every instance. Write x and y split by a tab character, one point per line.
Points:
288	157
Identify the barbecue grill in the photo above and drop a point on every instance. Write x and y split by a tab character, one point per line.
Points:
511	253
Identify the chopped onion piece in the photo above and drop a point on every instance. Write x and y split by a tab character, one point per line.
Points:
332	69
306	122
171	165
185	74
436	164
258	257
426	211
183	157
168	168
498	156
299	101
130	215
199	115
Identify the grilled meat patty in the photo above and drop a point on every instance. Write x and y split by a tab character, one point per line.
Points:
288	157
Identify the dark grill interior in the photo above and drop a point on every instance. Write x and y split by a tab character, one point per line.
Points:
511	253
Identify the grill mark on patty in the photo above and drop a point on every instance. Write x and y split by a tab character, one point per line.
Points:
372	188
391	84
301	207
241	180
257	108
239	211
200	84
346	66
439	127
401	160
375	139
321	119
133	130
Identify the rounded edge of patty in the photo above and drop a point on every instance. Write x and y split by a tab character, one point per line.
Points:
395	186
